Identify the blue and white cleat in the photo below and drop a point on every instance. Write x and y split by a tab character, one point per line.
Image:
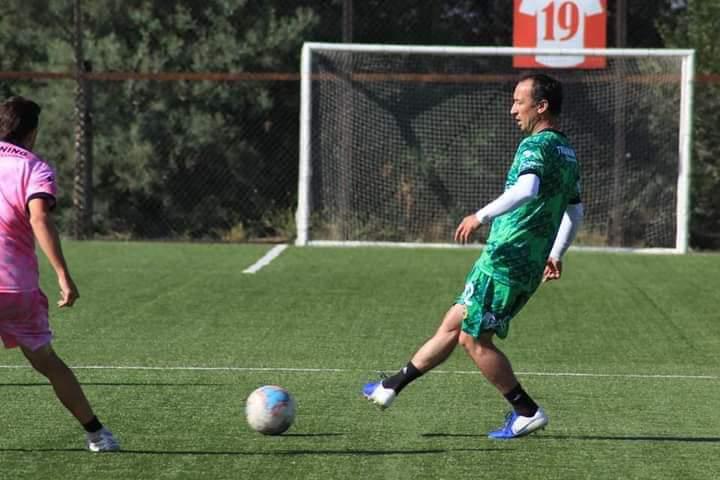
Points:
379	395
519	426
101	441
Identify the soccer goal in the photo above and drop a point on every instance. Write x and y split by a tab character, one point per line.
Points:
398	143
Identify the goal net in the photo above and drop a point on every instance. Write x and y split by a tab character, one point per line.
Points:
399	143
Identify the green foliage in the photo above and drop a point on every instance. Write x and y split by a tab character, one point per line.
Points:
188	165
696	27
193	159
175	158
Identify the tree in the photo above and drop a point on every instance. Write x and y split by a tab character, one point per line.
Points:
195	158
694	26
173	158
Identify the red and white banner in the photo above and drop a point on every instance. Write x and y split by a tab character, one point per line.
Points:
559	24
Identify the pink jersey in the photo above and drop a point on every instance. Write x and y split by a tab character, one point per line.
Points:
23	176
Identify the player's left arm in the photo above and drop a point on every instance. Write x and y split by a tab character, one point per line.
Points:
48	240
571	221
525	189
41	194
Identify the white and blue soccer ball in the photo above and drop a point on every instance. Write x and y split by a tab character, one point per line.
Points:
270	410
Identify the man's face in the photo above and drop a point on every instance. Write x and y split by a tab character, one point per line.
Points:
524	109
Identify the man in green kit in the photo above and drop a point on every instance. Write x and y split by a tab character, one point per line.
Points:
534	222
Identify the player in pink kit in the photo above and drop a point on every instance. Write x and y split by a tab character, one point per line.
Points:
27	196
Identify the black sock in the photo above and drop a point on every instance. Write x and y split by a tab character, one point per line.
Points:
93	425
401	379
521	401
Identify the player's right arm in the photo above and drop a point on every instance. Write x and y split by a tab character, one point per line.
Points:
571	221
48	239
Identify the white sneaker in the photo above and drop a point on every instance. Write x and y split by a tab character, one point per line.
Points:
518	426
101	441
379	395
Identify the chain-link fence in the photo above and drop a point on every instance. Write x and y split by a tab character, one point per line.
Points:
196	158
189	139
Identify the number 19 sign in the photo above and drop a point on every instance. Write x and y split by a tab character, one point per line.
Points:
559	24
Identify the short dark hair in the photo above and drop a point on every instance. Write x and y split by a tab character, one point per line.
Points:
547	88
18	117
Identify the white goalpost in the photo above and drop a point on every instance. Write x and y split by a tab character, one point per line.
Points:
399	143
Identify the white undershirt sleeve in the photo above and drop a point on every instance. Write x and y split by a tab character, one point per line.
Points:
525	189
568	229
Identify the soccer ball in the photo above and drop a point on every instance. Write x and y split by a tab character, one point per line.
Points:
270	410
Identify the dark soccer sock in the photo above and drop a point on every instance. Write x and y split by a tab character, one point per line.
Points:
93	425
521	401
401	379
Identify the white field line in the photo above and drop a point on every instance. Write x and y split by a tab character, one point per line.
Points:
346	370
266	259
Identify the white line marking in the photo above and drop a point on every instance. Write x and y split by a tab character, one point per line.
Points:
195	369
266	259
611	375
347	370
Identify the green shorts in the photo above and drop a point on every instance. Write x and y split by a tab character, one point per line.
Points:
489	305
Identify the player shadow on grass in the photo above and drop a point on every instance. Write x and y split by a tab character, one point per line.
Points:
319	452
430	451
633	438
38	450
628	438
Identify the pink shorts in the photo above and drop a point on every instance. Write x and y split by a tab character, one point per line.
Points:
24	319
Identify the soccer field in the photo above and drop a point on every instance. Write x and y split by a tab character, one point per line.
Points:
169	339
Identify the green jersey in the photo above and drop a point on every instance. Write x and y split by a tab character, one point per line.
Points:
520	240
